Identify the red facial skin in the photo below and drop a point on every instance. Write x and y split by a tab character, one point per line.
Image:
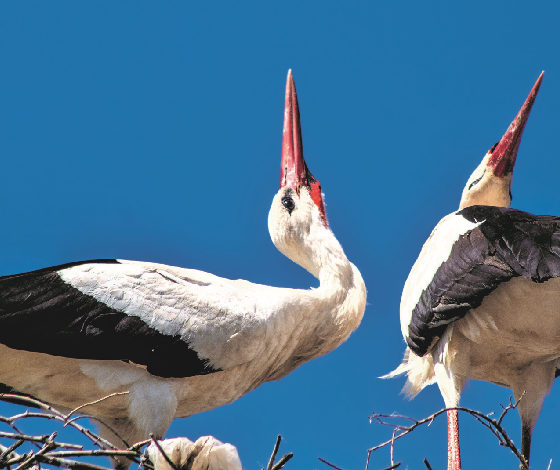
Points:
504	152
294	172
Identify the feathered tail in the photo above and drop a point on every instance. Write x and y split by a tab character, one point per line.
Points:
419	370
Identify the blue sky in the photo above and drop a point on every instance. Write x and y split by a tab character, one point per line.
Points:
152	130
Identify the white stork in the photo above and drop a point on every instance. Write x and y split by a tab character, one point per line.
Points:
180	341
482	300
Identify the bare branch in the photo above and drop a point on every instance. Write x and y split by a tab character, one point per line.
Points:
50	452
274	452
329	464
95	402
41	439
53	414
397	465
9	450
280	464
494	425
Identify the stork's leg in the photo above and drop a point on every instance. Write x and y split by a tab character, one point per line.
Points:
450	385
526	433
532	385
453	449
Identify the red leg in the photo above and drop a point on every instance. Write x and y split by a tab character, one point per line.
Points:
453	450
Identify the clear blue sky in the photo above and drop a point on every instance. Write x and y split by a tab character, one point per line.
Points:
152	130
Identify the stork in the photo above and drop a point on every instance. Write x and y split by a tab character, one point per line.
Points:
482	300
180	341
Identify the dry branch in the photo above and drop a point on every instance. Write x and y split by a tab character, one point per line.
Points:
280	464
49	449
400	430
56	453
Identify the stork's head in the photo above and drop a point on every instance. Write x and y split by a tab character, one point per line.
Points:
297	217
490	183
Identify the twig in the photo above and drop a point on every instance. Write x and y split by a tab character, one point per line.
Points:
397	465
280	464
93	453
136	447
95	402
41	439
329	464
511	406
274	452
45	453
393	448
428	466
492	424
58	416
10	449
33	457
73	464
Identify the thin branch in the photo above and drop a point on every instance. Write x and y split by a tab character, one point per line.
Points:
329	464
95	402
58	416
511	406
367	461
45	454
41	439
10	449
393	448
94	453
72	464
280	464
428	466
493	425
274	452
397	465
32	458
136	447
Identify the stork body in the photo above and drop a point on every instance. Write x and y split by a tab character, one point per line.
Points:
180	341
482	300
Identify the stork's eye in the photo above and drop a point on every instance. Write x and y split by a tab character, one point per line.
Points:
288	203
476	181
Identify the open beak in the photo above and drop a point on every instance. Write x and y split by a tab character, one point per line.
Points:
294	172
504	153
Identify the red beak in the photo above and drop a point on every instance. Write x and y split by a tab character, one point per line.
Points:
504	152
294	172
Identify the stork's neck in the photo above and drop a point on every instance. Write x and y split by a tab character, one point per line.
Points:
326	315
342	292
332	267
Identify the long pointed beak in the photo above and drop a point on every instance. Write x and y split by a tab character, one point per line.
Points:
504	153
294	172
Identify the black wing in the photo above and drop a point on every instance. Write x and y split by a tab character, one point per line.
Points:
507	244
39	312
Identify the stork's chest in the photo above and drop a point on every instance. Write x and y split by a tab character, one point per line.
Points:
517	311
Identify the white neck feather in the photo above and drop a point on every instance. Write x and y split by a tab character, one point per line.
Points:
337	306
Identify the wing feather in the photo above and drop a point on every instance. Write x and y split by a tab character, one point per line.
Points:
174	321
508	243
